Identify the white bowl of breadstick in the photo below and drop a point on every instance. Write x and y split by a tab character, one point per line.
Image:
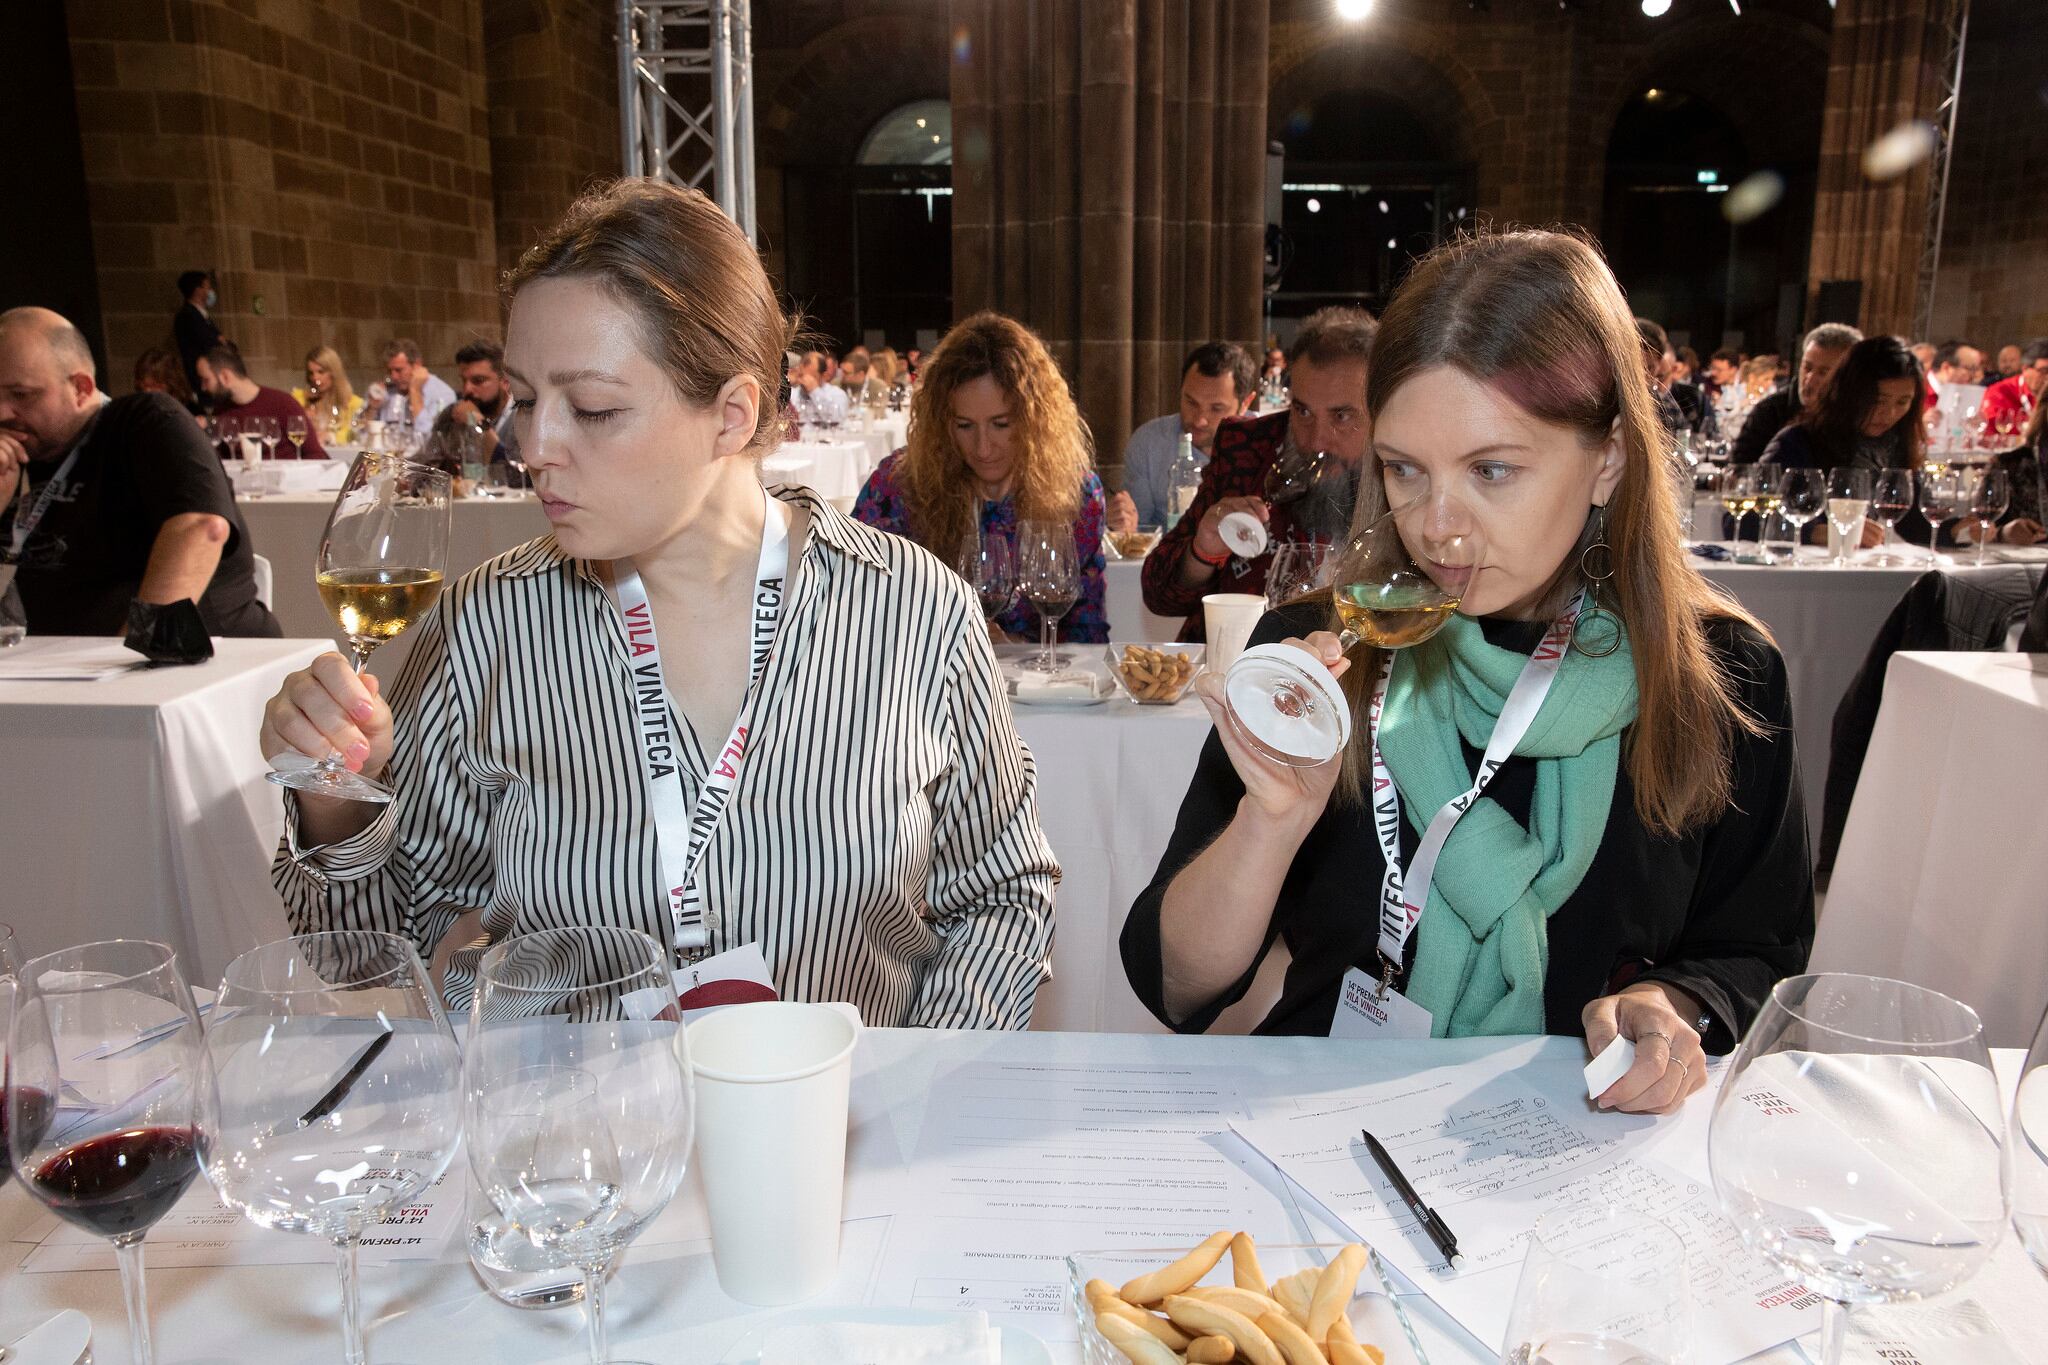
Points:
1230	1301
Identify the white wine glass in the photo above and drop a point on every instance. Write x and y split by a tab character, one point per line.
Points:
1857	1143
1600	1282
295	432
2030	1151
1891	497
1802	496
1299	567
339	1091
109	1029
380	568
1848	505
1740	492
1049	573
578	1103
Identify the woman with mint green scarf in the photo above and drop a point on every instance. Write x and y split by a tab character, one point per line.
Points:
1637	864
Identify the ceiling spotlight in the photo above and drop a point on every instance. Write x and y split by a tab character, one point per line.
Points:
1315	205
1656	9
1390	244
1383	206
1351	11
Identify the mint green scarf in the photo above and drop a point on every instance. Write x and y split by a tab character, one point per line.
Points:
1483	945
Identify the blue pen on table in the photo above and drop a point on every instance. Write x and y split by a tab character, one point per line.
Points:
1433	1226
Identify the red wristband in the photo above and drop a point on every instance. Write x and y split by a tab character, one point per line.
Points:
1215	563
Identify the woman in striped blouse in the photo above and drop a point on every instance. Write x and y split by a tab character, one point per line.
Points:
695	709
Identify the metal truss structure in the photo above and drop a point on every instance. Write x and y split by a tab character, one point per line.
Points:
1954	18
686	98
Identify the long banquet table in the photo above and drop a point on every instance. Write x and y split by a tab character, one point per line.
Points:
665	1303
137	806
1943	865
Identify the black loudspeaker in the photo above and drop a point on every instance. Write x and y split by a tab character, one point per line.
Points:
1838	301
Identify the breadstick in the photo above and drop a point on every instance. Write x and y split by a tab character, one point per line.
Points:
1246	1301
1292	1341
1351	1353
1113	1307
1182	1274
1211	1351
1334	1290
1244	1260
1139	1346
1296	1292
1210	1319
1098	1289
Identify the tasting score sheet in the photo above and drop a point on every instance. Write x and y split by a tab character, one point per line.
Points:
1017	1165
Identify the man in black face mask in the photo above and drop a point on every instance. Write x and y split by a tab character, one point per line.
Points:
193	326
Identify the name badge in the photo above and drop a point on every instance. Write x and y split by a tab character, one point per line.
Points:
1363	1013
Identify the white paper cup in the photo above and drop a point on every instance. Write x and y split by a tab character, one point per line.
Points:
771	1144
1227	620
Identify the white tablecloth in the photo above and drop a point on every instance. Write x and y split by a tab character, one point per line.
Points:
835	470
1943	873
1110	782
286	531
137	807
665	1304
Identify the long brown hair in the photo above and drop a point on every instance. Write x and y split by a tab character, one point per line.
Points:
1054	451
1539	317
1834	420
671	257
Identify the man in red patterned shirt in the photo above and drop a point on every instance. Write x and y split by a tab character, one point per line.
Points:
2010	402
1326	377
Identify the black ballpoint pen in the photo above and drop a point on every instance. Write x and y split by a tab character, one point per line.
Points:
331	1101
1434	1226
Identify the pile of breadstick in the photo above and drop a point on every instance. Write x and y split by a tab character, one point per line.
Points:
1299	1320
1155	674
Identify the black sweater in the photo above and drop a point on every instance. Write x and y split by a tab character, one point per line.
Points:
1722	911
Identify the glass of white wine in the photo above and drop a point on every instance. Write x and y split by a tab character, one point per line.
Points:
1282	700
382	561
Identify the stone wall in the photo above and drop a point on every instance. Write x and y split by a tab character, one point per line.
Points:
330	162
553	85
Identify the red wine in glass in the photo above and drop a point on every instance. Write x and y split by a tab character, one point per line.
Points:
122	1182
35	1109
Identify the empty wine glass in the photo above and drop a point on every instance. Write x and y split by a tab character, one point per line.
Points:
1944	496
988	562
1856	1143
380	568
109	1032
1600	1282
268	432
227	434
1990	494
2030	1151
1802	496
1848	505
578	1106
1049	573
1891	497
339	1091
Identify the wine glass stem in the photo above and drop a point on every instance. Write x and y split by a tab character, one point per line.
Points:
128	1252
1045	632
593	1311
1834	1331
351	1302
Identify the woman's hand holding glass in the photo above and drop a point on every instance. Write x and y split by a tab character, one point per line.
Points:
1670	1063
1282	794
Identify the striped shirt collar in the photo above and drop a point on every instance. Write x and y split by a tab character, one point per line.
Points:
828	524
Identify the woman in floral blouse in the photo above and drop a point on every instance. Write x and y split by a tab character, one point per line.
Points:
995	439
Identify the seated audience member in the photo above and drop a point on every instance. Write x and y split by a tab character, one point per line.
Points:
995	441
1685	365
880	778
1679	407
158	371
1276	364
1868	417
237	397
1958	362
864	388
1638	865
2023	522
1216	382
193	327
1819	358
121	499
2008	363
411	395
478	428
2010	402
1324	424
816	399
327	393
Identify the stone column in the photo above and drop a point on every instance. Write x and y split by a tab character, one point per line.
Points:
1108	185
1884	70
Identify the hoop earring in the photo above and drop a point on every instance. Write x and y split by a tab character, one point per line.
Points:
1597	632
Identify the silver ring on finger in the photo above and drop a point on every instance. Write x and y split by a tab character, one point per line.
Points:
1684	1068
1665	1036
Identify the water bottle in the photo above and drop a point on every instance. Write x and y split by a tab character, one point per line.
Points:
1182	481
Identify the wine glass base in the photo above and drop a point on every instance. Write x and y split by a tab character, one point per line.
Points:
1062	661
336	782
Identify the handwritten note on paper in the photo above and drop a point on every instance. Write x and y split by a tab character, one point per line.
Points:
1491	1160
1019	1164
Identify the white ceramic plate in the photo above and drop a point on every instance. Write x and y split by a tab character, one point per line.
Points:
1019	1347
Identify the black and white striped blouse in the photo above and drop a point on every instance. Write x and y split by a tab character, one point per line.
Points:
882	846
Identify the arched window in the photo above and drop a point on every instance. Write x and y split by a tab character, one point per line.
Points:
916	134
